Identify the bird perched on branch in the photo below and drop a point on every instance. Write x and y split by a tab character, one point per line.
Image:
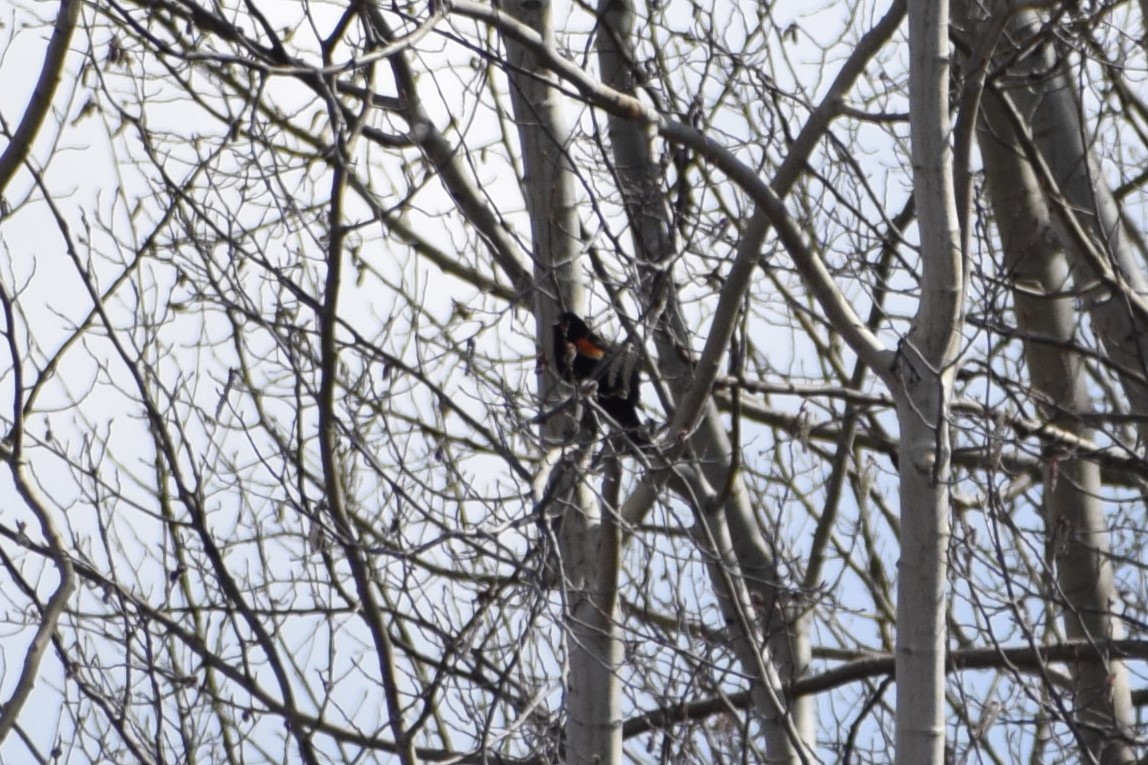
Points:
583	356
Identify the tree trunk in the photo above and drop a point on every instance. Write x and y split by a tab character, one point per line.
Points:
789	722
1076	529
926	370
590	563
1084	213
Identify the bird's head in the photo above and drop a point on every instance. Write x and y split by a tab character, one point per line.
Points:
570	330
571	327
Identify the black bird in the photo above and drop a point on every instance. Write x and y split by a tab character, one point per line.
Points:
581	355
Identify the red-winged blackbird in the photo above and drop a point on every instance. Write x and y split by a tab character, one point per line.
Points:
582	355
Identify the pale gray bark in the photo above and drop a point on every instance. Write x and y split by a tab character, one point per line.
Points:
742	565
1084	214
551	202
926	368
590	543
591	548
1076	528
785	739
776	649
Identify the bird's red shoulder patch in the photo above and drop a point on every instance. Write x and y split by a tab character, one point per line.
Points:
587	348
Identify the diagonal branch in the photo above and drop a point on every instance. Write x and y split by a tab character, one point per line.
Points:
21	144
